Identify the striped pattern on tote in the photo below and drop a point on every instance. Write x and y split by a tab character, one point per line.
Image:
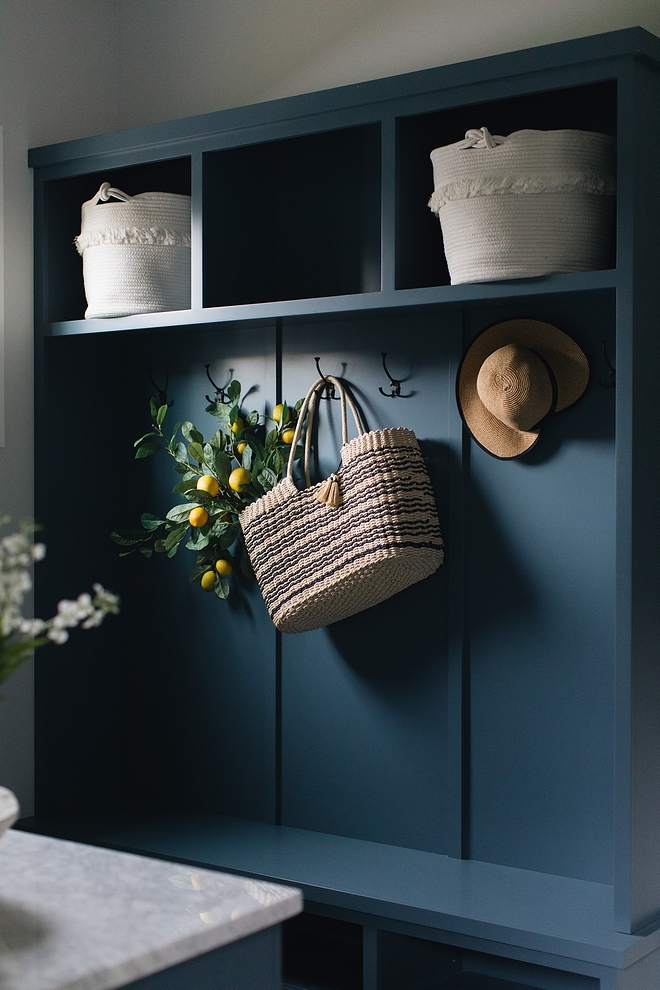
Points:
316	564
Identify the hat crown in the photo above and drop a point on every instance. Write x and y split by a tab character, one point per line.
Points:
515	386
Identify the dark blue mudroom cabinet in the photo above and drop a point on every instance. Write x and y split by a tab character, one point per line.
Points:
465	780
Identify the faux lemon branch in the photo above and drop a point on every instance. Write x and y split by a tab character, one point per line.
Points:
239	464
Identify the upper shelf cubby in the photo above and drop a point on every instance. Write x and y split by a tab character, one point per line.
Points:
420	259
64	293
293	219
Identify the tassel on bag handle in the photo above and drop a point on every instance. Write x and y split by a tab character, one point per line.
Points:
329	490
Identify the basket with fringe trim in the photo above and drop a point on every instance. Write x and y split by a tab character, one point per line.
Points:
136	253
334	549
532	203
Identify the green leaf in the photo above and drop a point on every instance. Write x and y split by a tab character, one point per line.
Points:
198	539
222	466
181	468
175	536
272	438
150	521
148	448
255	443
252	419
229	536
267	479
218	528
173	550
220	410
127	553
130	537
219	440
179	512
196	451
246	460
191	434
181	454
234	391
199	497
298	406
161	413
159	546
279	463
142	439
147	551
197	572
209	456
187	485
221	587
233	414
153	407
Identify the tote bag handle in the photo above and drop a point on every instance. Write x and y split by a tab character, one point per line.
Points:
308	410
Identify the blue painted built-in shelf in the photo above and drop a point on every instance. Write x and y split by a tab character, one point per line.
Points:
465	779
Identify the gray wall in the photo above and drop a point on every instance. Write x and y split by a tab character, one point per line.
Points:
70	68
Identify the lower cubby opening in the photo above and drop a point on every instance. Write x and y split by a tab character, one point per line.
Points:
410	963
321	954
324	953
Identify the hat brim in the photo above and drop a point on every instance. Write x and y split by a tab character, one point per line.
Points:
566	361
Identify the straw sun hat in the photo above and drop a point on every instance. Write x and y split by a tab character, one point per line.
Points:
514	376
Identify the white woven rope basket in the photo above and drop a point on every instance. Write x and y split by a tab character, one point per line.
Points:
532	203
136	252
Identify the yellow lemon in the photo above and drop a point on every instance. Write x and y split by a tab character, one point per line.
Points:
240	447
277	413
239	476
207	483
288	435
223	567
207	580
237	425
198	517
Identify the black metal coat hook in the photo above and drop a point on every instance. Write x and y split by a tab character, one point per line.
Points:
220	395
611	383
327	391
162	392
395	384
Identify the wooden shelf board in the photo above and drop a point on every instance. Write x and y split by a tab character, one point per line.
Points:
553	914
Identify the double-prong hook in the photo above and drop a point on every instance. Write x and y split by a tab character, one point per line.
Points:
220	394
395	384
162	392
611	383
327	390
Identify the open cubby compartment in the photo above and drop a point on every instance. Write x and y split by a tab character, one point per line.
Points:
321	953
420	259
411	963
64	297
292	219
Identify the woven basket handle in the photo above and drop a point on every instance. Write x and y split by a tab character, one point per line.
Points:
308	410
105	192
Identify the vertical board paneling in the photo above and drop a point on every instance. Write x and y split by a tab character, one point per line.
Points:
365	747
175	701
540	585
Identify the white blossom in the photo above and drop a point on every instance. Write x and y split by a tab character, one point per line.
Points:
17	553
57	635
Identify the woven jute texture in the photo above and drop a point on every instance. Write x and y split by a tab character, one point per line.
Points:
136	253
532	203
316	564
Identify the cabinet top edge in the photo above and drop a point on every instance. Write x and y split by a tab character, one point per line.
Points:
634	41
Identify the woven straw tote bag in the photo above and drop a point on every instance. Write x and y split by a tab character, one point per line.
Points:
136	253
532	203
330	550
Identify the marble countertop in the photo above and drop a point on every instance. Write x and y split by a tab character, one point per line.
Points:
76	917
